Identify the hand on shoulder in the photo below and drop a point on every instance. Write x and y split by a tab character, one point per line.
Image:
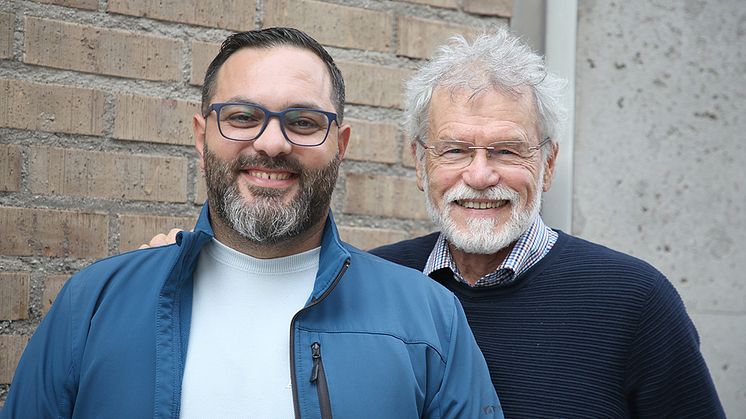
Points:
162	239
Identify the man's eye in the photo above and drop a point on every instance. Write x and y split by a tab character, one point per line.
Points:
508	149
303	124
505	151
242	119
453	151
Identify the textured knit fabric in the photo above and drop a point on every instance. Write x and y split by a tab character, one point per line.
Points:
586	332
530	247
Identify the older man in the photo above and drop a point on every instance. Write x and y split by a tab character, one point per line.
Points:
200	328
569	328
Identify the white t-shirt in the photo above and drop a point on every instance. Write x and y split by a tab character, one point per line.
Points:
238	358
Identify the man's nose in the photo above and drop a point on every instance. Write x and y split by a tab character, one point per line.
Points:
272	141
481	173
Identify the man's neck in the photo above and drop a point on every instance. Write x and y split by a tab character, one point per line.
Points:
307	240
473	266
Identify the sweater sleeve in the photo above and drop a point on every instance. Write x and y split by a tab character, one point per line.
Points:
666	374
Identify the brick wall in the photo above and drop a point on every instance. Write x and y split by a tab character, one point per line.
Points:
96	100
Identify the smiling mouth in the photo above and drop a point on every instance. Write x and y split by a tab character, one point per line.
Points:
480	204
270	175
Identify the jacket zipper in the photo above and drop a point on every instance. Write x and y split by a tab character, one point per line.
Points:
293	381
319	378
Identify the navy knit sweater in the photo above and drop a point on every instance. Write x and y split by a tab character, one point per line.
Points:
586	332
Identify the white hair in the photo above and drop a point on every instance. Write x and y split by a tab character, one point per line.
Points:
493	61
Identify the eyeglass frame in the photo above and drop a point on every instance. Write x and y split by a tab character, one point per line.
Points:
331	117
488	147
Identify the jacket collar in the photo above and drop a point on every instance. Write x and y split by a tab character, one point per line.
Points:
331	260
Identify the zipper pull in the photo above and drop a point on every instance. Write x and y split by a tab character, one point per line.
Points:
316	355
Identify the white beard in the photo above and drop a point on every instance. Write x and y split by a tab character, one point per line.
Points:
484	235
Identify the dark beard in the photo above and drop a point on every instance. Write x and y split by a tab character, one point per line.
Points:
267	220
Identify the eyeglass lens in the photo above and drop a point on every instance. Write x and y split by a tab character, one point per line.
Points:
461	154
300	126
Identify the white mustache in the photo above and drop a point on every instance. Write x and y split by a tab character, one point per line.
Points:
494	193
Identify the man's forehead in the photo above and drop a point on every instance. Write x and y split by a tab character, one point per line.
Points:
288	68
483	112
517	96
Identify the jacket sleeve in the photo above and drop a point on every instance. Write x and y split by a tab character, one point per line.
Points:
466	390
667	375
42	385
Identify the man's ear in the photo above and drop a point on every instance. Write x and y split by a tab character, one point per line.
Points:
549	165
198	127
343	140
419	166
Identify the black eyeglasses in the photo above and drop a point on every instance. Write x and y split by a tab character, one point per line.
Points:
246	122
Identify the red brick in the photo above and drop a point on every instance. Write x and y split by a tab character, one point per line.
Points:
419	38
14	293
11	349
374	85
53	108
92	49
153	119
202	55
7	25
448	4
333	24
137	229
52	287
53	233
367	238
10	168
79	4
489	7
389	196
73	172
227	14
373	141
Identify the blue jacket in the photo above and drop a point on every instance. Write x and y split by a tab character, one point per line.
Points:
374	340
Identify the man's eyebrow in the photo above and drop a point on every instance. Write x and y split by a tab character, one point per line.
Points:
515	138
452	139
305	105
245	100
241	99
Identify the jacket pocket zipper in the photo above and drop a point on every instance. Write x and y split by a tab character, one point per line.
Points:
318	377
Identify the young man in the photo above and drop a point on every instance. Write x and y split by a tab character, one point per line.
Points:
262	311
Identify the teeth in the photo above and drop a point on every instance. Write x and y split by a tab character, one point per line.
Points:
480	204
270	175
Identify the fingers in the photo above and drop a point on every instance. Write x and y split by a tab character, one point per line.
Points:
171	237
162	239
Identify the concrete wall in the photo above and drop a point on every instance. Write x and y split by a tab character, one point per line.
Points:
659	158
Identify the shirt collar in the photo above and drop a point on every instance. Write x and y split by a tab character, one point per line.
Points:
530	247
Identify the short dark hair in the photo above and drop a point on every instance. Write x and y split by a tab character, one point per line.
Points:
271	38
